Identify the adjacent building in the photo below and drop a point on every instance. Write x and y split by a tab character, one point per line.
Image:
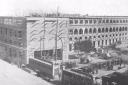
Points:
102	30
13	41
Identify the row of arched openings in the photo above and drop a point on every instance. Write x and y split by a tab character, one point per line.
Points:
99	30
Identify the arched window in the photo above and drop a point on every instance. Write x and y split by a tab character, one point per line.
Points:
76	38
99	30
71	31
110	30
113	29
123	29
90	30
75	31
80	38
126	28
85	31
117	29
120	29
81	31
85	37
103	30
106	30
94	30
70	39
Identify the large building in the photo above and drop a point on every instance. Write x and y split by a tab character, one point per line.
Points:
102	30
13	41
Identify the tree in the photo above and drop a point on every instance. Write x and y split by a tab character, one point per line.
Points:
84	46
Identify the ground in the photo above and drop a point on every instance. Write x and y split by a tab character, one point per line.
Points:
12	75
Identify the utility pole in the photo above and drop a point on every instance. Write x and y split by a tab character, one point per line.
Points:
40	47
44	38
56	34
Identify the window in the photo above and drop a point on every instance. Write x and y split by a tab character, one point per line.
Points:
75	31
107	21
126	28
103	21
120	29
86	21
113	29
76	21
90	30
76	38
70	47
80	38
117	29
71	31
120	21
120	34
117	21
81	21
102	29
90	37
99	21
110	21
81	31
99	30
86	31
94	30
70	39
123	21
90	21
106	29
71	21
123	29
110	30
20	34
110	41
106	42
85	37
113	40
94	21
114	21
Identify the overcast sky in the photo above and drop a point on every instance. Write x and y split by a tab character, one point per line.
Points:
91	7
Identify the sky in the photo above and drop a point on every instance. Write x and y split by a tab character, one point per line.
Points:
90	7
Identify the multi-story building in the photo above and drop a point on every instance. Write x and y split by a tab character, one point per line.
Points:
102	30
13	40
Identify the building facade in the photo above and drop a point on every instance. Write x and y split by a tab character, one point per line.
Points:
102	30
42	32
13	41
